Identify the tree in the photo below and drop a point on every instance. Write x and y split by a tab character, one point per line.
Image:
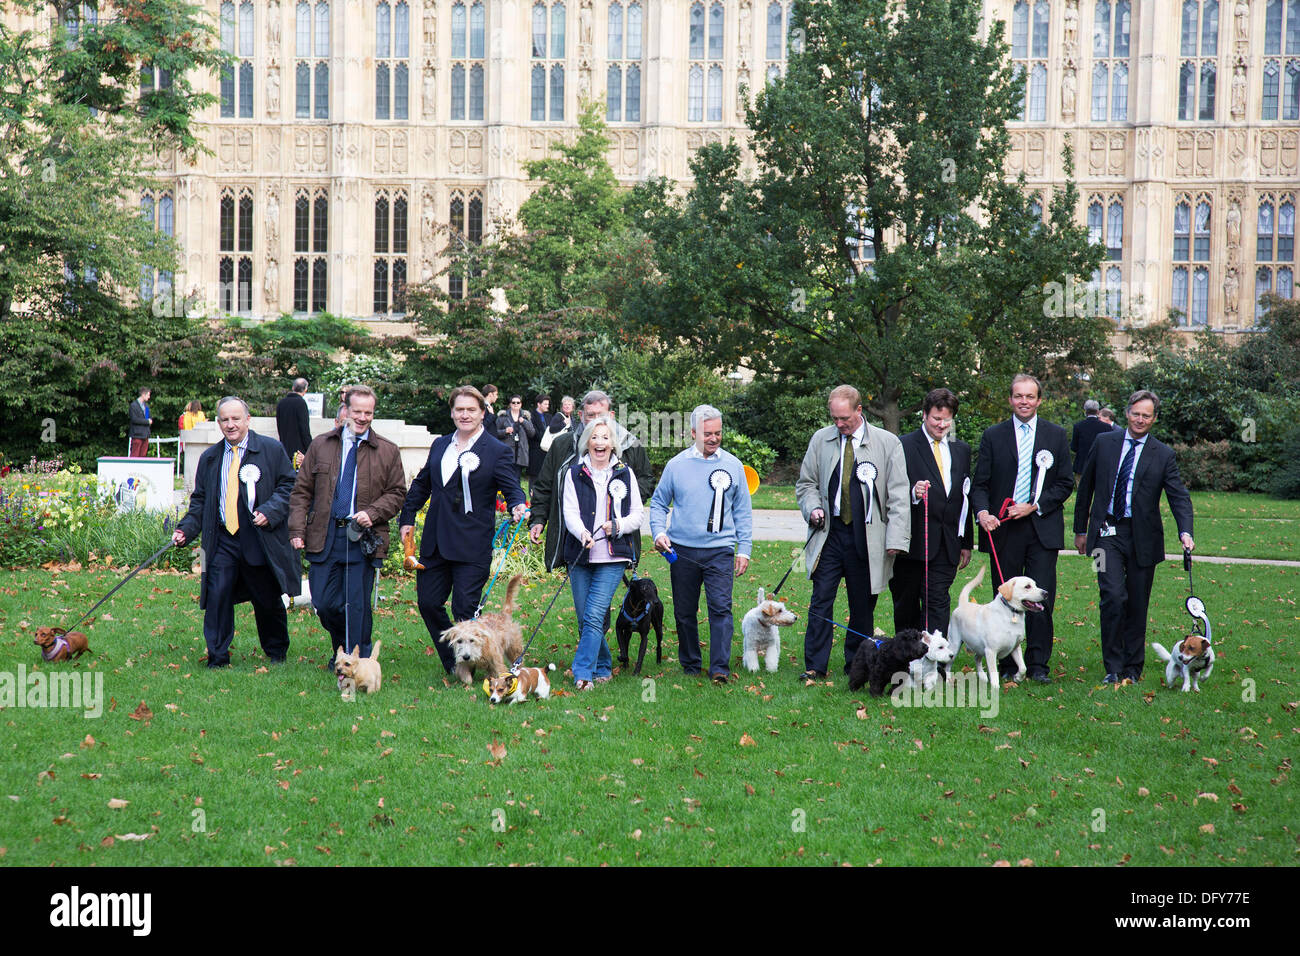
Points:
79	129
562	272
879	242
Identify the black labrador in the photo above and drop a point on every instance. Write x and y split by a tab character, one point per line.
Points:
641	610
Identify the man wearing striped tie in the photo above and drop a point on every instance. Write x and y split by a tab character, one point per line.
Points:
1022	479
1117	520
240	504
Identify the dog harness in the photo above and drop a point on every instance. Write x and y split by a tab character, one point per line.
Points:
622	613
60	645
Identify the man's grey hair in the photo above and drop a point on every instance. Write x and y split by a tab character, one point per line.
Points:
1144	395
300	385
1091	407
704	413
234	398
594	396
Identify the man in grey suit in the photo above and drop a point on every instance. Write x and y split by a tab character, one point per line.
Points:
853	488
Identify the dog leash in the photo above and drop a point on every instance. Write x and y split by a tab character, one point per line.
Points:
1002	514
925	500
514	668
1195	606
815	528
510	544
147	561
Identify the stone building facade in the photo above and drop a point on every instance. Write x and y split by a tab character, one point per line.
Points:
351	135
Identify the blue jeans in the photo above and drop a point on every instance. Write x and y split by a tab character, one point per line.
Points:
593	587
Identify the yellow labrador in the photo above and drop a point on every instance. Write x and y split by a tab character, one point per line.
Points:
993	631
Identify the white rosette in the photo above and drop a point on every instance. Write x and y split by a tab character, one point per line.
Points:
249	475
617	492
1044	461
719	481
467	463
867	472
965	505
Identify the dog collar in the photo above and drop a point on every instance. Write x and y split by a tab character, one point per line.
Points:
1011	607
60	643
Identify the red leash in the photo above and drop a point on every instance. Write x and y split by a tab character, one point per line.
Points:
1002	515
925	500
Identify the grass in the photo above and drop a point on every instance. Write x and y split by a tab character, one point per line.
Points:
778	497
250	766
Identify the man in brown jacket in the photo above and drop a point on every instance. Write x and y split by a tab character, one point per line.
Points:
350	482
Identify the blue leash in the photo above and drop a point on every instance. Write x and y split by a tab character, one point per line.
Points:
510	544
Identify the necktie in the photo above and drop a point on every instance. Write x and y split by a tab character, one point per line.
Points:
1026	447
846	490
347	477
1120	498
232	492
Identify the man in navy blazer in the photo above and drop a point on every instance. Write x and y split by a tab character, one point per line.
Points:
1119	507
938	466
1024	465
460	481
1086	432
246	552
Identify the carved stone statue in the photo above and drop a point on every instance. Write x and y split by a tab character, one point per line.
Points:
429	91
271	285
273	92
1230	289
430	27
1239	93
427	220
272	220
1242	14
746	27
273	30
1233	220
584	30
1069	92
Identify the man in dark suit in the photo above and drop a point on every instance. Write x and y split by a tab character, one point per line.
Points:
1119	507
465	470
141	423
246	554
292	421
541	418
1022	479
938	466
1086	432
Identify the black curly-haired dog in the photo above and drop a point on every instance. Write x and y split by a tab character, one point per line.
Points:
641	611
874	665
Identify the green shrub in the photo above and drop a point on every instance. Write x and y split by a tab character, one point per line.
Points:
1209	466
756	454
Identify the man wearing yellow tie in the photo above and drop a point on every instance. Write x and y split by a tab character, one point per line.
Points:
938	471
240	503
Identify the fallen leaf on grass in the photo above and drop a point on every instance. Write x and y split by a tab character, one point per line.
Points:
1211	761
498	751
324	849
637	762
142	712
134	836
1234	789
90	776
635	834
1143	792
747	741
1239	807
1025	862
749	789
1209	796
107	841
116	804
861	713
1207	827
89	741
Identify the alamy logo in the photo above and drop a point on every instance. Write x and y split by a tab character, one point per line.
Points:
76	909
82	690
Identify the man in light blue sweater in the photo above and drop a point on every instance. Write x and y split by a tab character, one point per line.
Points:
712	537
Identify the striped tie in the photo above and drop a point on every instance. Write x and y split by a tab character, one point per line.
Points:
1026	456
232	492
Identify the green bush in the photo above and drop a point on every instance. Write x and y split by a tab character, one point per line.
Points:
1208	466
756	454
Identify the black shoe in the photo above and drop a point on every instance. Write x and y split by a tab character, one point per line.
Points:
719	680
1040	677
1134	676
690	673
812	675
1112	679
275	660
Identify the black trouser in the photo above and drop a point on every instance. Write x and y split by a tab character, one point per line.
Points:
440	577
340	590
715	569
839	559
910	601
226	570
1020	553
1125	589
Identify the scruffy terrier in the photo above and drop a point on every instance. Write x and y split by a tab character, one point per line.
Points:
515	689
56	644
489	642
927	671
759	626
875	664
363	672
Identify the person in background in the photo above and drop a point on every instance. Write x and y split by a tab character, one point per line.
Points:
141	423
292	421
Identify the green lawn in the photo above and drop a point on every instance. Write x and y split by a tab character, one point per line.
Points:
248	767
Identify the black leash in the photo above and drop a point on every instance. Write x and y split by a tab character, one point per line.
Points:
147	561
514	668
815	529
1195	606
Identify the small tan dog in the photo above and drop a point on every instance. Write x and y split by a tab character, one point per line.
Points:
364	672
56	644
1192	658
515	690
488	642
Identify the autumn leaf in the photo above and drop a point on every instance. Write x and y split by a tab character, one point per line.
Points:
1143	792
1239	807
747	741
749	789
88	742
107	841
116	804
861	713
142	712
498	751
1207	827
134	837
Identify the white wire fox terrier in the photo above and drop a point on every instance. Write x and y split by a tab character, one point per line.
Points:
761	635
